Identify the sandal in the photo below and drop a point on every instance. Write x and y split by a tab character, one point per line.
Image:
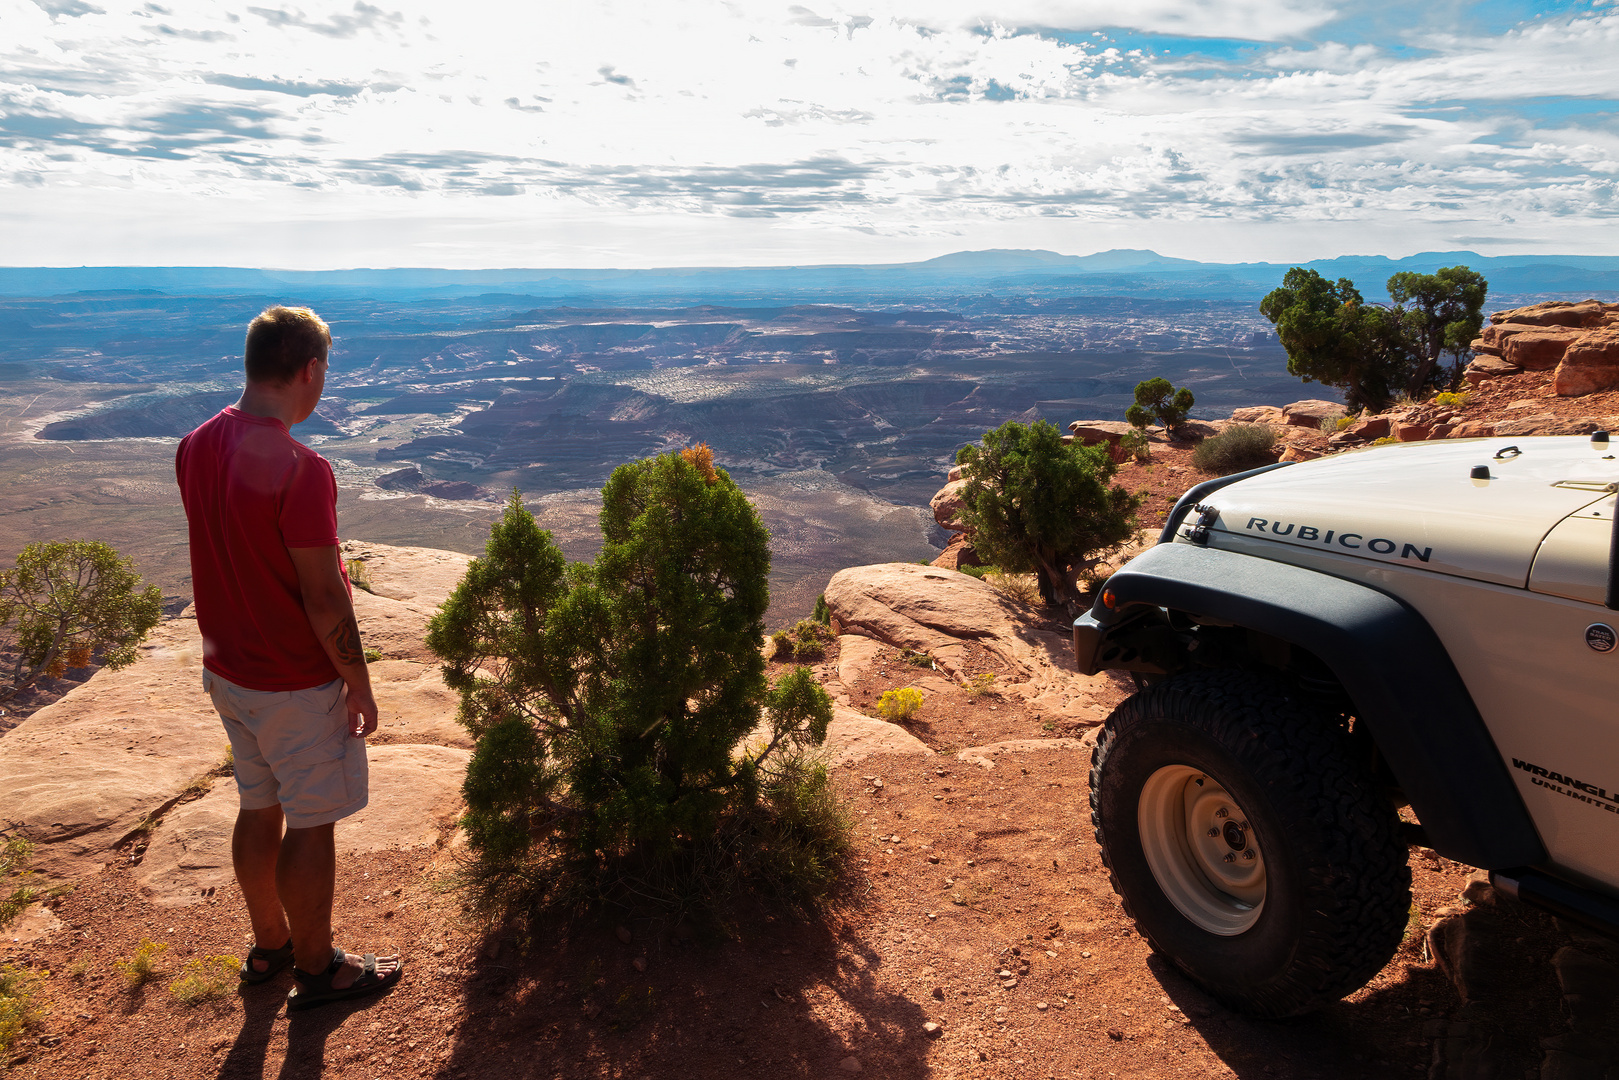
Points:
313	991
277	959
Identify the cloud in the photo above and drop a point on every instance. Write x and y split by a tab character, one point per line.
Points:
280	86
365	17
69	8
897	119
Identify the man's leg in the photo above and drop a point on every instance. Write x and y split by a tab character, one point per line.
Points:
255	847
305	878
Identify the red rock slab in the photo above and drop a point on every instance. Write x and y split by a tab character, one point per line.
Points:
1583	313
1590	364
946	503
1092	432
1310	413
415	797
1488	367
1538	350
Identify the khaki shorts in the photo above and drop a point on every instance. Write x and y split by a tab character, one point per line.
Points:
293	749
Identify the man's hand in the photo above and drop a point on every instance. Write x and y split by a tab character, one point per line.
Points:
331	616
362	713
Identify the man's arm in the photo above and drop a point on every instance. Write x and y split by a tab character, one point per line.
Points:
331	615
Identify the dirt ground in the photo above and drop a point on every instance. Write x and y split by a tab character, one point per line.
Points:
976	902
962	873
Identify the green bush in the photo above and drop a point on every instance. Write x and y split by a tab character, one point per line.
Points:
822	614
608	702
1157	401
1137	445
1038	505
1239	447
65	602
977	571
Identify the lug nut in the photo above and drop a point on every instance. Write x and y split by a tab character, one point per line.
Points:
1249	854
1222	813
1214	832
1230	857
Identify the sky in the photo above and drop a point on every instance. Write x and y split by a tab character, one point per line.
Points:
608	133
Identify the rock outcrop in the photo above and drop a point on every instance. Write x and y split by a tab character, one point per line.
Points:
939	612
1580	340
83	772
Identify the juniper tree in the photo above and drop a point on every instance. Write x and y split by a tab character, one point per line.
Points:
1157	399
1035	503
65	601
612	702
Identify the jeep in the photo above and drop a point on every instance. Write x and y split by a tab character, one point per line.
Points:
1336	659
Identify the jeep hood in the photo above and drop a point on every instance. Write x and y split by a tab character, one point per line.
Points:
1418	504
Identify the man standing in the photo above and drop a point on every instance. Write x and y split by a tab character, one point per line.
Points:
281	655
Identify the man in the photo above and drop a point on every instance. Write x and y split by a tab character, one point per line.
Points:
281	655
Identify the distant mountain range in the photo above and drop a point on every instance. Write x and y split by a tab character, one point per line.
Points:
997	272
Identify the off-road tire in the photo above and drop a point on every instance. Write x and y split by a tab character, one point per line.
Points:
1336	888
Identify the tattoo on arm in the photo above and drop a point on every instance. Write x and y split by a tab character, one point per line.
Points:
345	639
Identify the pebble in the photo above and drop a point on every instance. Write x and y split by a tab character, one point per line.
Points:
624	934
1042	1006
639	963
933	859
1086	955
931	1029
850	1064
938	992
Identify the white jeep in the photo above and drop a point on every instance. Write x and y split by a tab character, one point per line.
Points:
1428	625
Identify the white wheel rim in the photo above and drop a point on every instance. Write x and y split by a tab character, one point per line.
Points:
1201	850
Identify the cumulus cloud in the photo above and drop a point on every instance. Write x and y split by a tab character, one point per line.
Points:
842	122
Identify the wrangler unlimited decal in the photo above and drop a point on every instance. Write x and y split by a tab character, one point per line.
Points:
1351	540
1567	785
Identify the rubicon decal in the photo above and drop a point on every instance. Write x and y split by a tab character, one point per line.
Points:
1567	785
1352	541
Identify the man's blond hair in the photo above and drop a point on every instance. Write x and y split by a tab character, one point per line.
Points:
281	341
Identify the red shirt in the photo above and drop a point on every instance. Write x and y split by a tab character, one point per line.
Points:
251	492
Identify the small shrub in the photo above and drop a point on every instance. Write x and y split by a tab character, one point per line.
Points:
1387	440
372	654
79	970
1343	422
807	640
14	864
1239	447
822	614
17	1007
916	659
980	685
1019	587
810	639
359	576
1451	399
1137	445
976	571
141	968
900	705
781	645
204	978
1331	424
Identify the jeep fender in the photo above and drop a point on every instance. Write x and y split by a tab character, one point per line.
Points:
1387	658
